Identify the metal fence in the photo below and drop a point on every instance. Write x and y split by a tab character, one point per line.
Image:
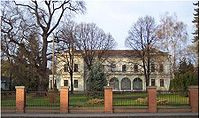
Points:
172	98
42	101
130	99
8	103
84	103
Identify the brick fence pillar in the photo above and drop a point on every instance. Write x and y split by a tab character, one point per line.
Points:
64	99
152	104
108	99
20	99
194	98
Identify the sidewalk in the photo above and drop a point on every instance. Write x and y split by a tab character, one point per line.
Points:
103	115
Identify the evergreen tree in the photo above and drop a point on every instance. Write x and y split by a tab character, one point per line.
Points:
96	81
184	77
25	64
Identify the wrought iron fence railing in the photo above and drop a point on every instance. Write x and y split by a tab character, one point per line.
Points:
46	101
42	101
172	98
130	99
8	103
84	102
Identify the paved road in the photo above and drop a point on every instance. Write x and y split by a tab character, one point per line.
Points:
103	115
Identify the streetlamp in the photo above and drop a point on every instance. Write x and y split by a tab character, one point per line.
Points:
52	92
53	63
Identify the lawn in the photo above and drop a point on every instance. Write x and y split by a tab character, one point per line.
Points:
81	100
129	99
173	99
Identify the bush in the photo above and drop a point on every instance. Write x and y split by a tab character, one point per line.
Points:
142	100
159	101
95	101
162	101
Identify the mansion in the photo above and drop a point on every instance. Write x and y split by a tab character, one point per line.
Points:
123	70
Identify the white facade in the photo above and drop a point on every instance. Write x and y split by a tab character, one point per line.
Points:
121	72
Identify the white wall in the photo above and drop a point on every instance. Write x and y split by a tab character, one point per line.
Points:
119	61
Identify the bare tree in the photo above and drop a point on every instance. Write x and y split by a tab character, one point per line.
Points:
46	16
15	32
67	48
142	37
93	43
172	36
196	32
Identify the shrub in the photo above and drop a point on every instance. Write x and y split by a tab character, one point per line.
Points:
162	101
159	101
95	101
142	100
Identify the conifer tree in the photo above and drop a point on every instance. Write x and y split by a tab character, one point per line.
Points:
96	81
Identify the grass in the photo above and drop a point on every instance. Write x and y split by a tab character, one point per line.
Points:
8	102
174	99
77	100
81	100
129	99
41	101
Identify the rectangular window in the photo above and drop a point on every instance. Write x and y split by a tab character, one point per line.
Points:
161	68
65	82
123	68
162	82
152	67
55	84
135	68
50	84
75	83
75	67
65	68
152	82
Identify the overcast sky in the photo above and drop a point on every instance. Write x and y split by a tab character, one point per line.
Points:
117	16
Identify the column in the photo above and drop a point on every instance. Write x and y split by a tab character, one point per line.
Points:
152	104
20	99
194	98
108	99
64	99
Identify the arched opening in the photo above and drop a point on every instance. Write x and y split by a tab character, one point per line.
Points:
114	82
126	84
137	84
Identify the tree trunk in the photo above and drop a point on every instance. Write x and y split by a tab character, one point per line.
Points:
10	78
72	85
43	68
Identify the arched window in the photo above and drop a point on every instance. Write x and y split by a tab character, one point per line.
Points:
137	84
135	68
123	68
126	84
112	66
114	82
